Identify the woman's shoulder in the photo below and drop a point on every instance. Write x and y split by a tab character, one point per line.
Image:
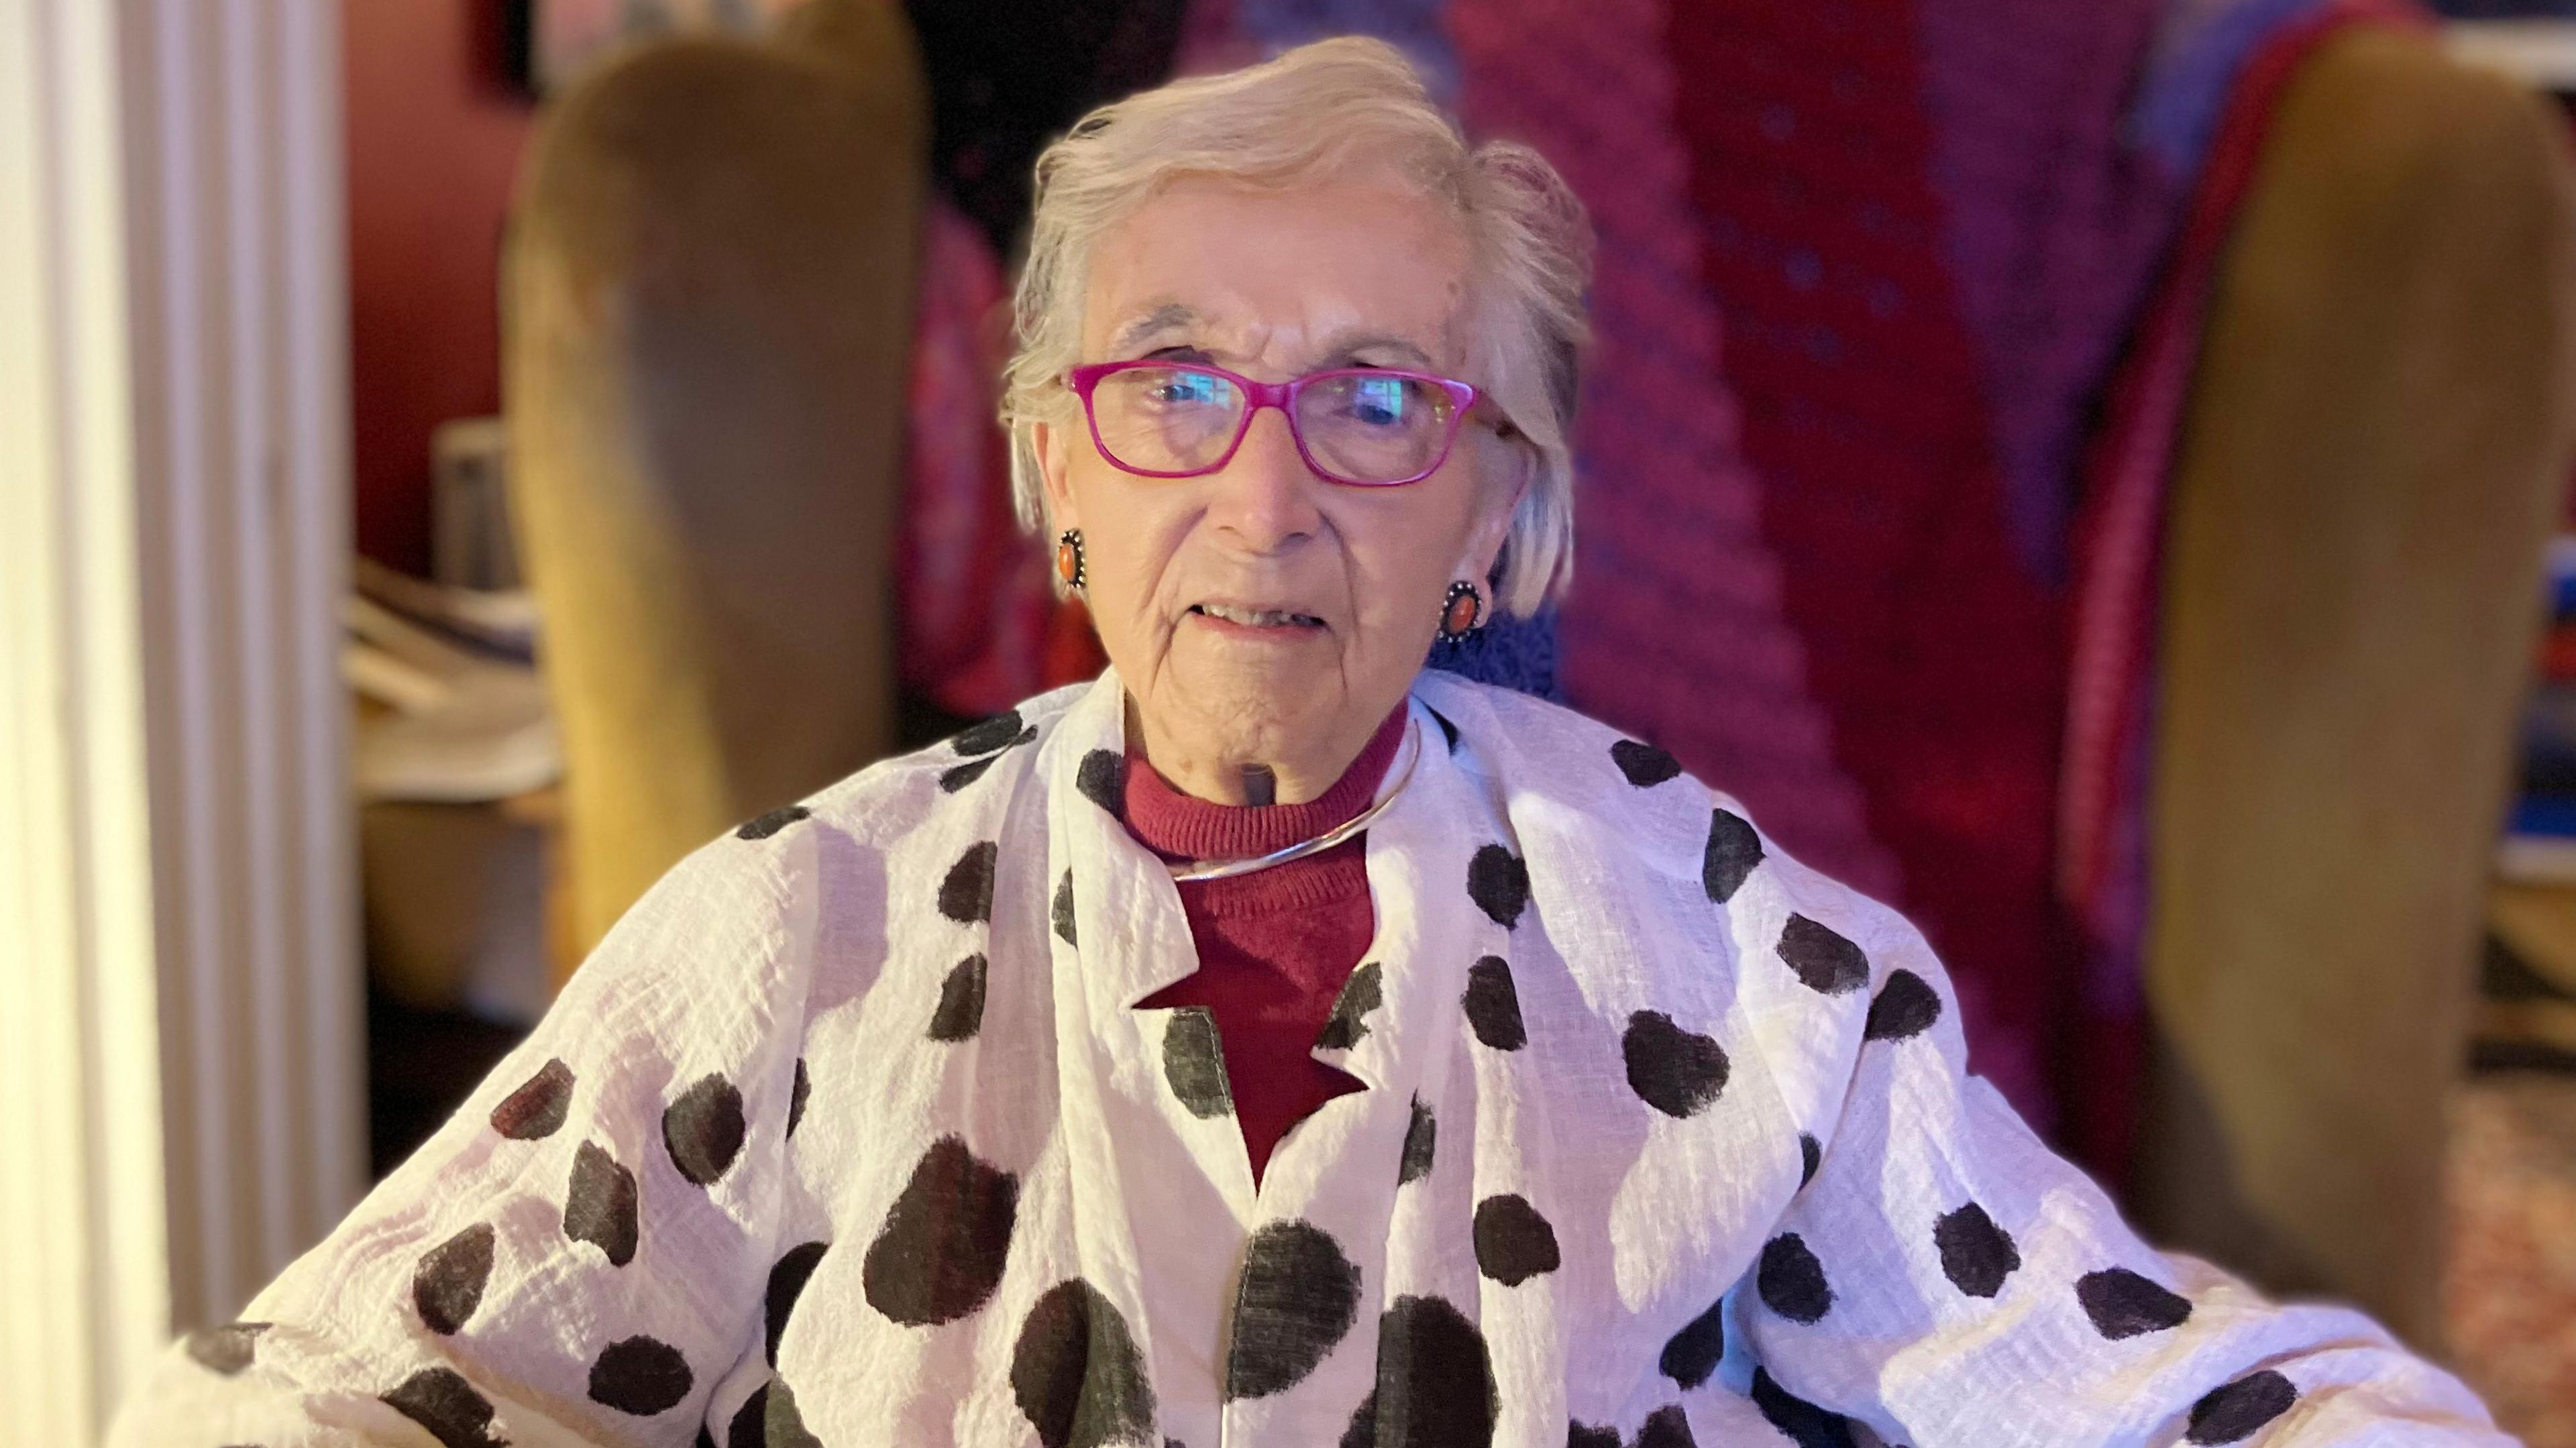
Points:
1526	715
758	899
884	798
778	859
1628	795
1495	729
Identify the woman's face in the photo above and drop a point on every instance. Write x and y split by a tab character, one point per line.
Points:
1260	614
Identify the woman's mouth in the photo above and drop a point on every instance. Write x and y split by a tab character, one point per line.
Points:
1256	618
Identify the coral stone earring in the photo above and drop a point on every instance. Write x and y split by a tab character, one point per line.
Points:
1068	558
1461	612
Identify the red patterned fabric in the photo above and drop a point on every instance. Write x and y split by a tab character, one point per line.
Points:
980	628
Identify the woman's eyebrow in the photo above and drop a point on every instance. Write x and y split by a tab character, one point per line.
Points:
1343	350
1169	317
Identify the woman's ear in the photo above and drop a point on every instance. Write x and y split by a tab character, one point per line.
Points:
1051	442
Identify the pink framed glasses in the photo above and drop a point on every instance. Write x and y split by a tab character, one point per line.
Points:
1367	427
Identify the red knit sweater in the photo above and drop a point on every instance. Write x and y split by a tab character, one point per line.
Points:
1275	945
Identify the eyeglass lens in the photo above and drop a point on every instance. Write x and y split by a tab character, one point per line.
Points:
1356	426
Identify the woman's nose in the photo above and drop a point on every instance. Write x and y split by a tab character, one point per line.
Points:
1264	496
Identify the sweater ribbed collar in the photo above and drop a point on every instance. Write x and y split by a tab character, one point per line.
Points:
1180	826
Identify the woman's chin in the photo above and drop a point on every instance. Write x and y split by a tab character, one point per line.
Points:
1283	663
1262	702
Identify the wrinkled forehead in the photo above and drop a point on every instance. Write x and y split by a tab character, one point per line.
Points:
1365	271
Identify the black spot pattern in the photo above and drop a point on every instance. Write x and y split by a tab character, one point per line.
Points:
2123	1304
1498	881
1493	1006
787	1283
1802	1422
1824	961
703	1130
1976	1255
1811	1155
958	776
750	1425
1435	1379
1102	778
1733	850
640	1376
1297	1298
537	1109
1362	1429
986	735
1692	1354
1194	1062
1644	764
1666	1427
966	895
1076	1372
1421	1137
704	1439
1062	910
1906	1006
1583	1435
1448	731
781	1425
961	1002
796	1095
1792	1281
440	1400
1361	994
941	1251
226	1350
772	822
448	1284
1677	1072
599	1207
1513	1242
2232	1413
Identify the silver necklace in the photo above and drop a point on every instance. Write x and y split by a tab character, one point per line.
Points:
1187	871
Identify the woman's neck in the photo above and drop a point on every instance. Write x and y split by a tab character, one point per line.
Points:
1290	777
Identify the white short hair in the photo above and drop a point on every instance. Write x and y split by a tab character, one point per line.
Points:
1316	111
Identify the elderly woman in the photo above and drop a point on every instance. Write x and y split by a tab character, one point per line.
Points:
1270	1042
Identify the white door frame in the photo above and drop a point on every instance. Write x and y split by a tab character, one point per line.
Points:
181	1041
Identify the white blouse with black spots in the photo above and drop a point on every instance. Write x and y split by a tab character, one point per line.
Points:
851	1134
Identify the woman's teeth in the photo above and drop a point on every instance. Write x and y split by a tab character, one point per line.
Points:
1257	617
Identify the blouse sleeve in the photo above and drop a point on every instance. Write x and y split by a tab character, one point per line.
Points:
1946	1280
579	1255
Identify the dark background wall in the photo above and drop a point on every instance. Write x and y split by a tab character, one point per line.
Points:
434	132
